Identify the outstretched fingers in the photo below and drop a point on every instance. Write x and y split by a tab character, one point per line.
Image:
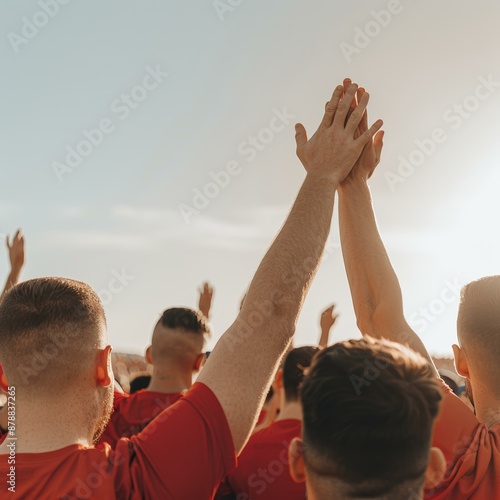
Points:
378	142
368	135
345	106
331	107
363	124
356	117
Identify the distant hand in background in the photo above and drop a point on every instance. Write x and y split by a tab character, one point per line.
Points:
328	318
16	258
205	302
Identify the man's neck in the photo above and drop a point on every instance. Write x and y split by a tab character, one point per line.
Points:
170	381
487	409
290	410
42	426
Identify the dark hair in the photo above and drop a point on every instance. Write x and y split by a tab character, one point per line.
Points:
186	319
369	408
270	394
478	321
296	361
139	382
48	322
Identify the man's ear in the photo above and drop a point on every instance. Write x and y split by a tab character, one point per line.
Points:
198	362
296	460
279	379
104	373
461	365
435	469
149	359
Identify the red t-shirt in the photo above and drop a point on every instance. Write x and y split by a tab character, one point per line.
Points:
263	466
184	453
262	416
472	453
131	414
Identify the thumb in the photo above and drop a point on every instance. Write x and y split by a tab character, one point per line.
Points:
300	135
378	144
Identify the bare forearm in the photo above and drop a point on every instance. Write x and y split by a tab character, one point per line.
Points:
285	274
12	280
242	364
375	288
372	280
323	339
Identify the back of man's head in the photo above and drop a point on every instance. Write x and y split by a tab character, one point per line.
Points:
294	365
179	338
50	329
368	413
478	327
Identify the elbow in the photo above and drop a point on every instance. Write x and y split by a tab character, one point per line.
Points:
373	322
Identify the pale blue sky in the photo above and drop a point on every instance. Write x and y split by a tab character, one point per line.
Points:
119	208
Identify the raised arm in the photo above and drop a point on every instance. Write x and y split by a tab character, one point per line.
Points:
240	368
328	318
375	289
205	300
16	258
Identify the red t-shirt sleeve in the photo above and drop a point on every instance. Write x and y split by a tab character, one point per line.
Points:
185	452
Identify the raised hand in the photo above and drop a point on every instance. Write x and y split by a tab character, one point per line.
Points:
16	252
335	147
328	318
16	258
370	156
205	301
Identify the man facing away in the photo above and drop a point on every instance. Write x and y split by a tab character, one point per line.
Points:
369	408
176	353
470	442
64	401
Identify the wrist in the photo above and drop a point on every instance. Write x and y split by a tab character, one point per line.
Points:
353	185
14	276
323	179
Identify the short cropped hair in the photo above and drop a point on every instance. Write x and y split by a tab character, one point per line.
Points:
369	407
478	322
294	365
184	318
49	330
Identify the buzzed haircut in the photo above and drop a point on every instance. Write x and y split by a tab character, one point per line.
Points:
294	365
478	322
184	318
369	407
49	330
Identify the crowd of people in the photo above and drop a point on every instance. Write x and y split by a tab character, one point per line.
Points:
257	418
